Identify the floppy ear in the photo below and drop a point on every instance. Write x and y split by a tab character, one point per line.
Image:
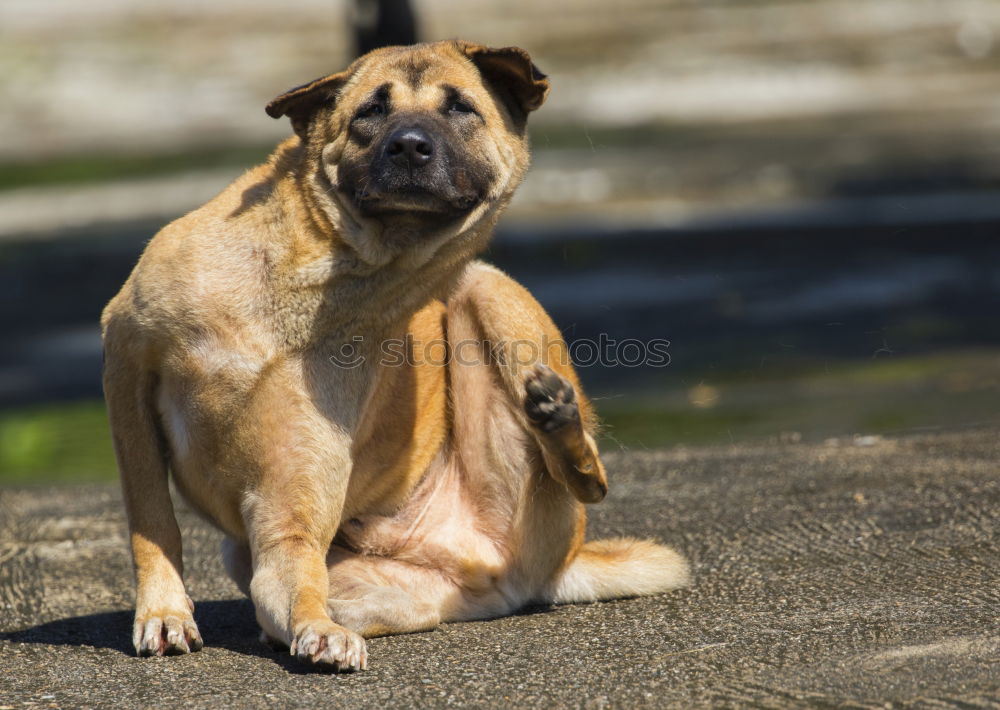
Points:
300	103
511	72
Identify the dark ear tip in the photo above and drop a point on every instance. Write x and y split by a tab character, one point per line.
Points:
305	96
534	84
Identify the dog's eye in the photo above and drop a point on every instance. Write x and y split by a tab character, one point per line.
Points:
375	109
460	106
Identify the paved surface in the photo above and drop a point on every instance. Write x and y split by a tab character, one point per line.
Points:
852	573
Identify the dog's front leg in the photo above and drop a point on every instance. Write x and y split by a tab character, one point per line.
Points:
164	623
292	516
289	590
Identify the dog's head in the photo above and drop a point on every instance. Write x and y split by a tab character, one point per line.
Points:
413	142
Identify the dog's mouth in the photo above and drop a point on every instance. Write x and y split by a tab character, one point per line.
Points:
443	186
414	200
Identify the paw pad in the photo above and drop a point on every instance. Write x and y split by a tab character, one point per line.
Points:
550	400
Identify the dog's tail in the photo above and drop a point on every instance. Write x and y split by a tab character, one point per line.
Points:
620	567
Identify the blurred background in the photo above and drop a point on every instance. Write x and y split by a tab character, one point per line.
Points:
800	195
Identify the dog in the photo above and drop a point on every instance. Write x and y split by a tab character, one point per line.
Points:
363	489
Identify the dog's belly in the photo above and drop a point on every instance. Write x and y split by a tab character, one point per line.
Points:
439	526
440	541
457	540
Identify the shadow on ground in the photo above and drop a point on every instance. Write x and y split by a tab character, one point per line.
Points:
230	622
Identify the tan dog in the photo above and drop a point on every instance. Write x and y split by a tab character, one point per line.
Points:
280	351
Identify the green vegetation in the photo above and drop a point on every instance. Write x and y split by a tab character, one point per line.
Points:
58	442
646	426
886	396
80	169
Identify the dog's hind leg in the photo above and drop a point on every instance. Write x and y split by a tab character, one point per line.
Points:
541	390
381	610
375	596
507	326
570	452
599	569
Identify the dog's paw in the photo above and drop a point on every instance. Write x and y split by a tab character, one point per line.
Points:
329	645
550	400
169	633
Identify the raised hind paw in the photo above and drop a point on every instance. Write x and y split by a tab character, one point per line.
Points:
553	409
550	400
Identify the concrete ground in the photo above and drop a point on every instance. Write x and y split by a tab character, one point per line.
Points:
857	573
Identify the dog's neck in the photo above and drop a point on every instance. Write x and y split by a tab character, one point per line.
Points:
349	290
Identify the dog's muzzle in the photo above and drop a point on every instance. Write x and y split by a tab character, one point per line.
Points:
409	148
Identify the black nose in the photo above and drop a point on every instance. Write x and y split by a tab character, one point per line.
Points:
409	147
